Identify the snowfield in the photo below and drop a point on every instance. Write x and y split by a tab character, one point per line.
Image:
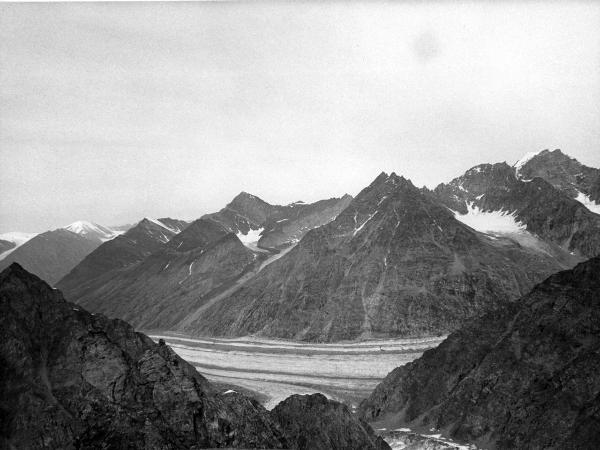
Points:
277	369
490	221
588	202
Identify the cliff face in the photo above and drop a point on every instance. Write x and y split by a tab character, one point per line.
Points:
70	379
523	376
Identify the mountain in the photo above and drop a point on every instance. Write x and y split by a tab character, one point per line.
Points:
261	225
11	241
70	379
395	262
91	231
523	376
51	255
213	256
126	249
162	288
564	173
491	198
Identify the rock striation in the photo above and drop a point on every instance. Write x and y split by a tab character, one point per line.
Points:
522	376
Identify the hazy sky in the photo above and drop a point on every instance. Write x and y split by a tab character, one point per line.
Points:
113	112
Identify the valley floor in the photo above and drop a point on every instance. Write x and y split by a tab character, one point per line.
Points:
276	369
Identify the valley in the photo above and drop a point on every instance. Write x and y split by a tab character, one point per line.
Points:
276	369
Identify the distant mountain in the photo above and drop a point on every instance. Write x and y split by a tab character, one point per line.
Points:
523	376
11	241
51	255
395	262
261	225
71	379
131	247
92	231
491	198
564	173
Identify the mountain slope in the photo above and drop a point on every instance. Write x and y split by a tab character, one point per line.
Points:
12	241
393	263
126	249
162	288
51	255
70	379
275	226
564	173
491	198
524	376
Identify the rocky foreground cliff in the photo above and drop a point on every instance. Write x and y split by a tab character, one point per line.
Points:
70	379
523	376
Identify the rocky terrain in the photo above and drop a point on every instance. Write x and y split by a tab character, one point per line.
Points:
51	255
563	172
491	196
70	379
395	262
277	225
314	423
522	376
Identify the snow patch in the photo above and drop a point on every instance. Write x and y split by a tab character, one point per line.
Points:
163	225
357	230
84	228
490	221
251	239
586	201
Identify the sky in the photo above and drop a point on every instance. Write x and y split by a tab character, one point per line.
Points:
114	112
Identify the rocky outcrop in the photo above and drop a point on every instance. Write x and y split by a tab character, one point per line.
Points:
311	422
70	379
395	262
522	376
51	255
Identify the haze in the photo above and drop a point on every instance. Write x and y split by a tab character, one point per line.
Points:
113	112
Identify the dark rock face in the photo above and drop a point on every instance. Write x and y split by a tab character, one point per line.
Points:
70	379
75	380
395	262
523	376
311	422
6	245
563	172
547	212
51	255
125	250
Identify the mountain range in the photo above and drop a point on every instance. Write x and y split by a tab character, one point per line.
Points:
397	260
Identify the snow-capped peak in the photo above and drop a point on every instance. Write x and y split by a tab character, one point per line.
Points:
527	157
90	229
